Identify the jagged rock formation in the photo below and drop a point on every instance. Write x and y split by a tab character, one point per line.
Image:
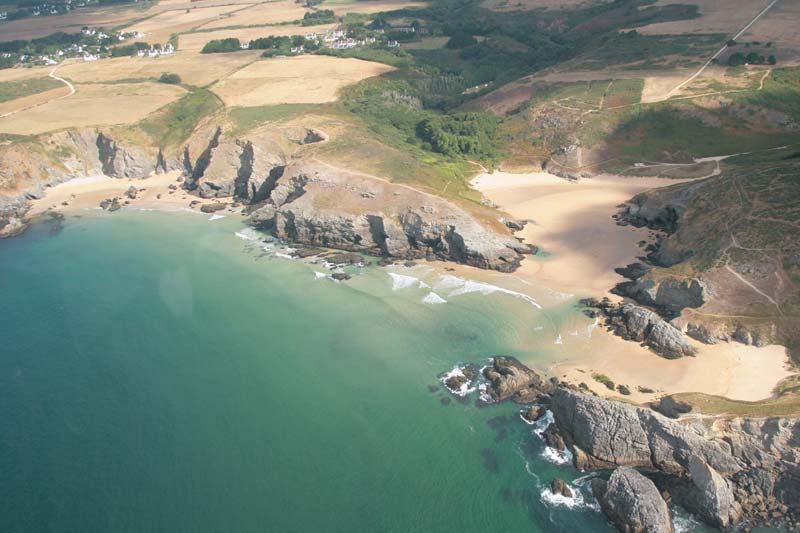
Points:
27	169
508	378
726	470
635	323
670	296
319	205
633	502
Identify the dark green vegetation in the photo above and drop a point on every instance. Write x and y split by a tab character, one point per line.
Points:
10	90
173	124
282	45
320	16
216	46
128	49
420	106
169	77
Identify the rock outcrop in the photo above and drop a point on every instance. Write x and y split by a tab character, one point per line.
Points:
726	470
635	323
670	296
125	161
508	378
319	205
632	502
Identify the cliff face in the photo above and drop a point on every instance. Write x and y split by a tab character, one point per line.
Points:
27	169
727	259
316	204
299	200
726	470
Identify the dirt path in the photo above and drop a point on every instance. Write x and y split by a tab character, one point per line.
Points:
691	78
52	74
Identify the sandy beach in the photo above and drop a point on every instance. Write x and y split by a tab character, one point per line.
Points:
572	224
153	193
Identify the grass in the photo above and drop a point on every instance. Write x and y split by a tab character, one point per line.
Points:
247	118
784	405
11	90
174	124
605	380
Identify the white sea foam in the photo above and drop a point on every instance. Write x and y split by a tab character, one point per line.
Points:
283	256
684	523
461	391
466	286
248	234
576	502
559	340
399	281
433	298
319	275
216	217
593	325
539	426
556	457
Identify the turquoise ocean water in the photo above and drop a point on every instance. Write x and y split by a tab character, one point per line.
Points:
160	373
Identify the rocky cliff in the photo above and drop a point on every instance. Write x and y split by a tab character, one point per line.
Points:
317	204
725	470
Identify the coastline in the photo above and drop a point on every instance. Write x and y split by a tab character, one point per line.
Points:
86	193
582	244
572	223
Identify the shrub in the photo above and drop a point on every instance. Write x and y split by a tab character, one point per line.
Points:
605	380
169	77
461	40
215	46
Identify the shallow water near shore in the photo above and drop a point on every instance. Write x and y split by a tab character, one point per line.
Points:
161	373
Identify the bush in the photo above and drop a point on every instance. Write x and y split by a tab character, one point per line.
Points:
645	390
169	77
737	59
624	390
461	134
322	16
216	46
605	380
461	40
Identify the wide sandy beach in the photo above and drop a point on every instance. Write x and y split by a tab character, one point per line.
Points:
572	224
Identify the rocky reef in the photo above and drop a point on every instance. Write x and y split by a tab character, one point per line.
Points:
632	502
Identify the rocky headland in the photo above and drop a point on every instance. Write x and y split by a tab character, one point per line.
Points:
729	471
279	182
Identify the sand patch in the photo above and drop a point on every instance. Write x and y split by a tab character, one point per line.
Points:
573	224
294	80
87	193
196	41
93	105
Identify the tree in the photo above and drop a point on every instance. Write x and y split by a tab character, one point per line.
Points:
169	77
772	60
737	59
461	39
230	44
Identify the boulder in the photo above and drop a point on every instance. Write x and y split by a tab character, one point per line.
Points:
559	486
508	378
632	322
633	502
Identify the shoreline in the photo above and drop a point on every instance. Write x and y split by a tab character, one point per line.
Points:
153	192
573	225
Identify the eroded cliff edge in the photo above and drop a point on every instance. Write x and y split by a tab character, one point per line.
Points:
277	178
